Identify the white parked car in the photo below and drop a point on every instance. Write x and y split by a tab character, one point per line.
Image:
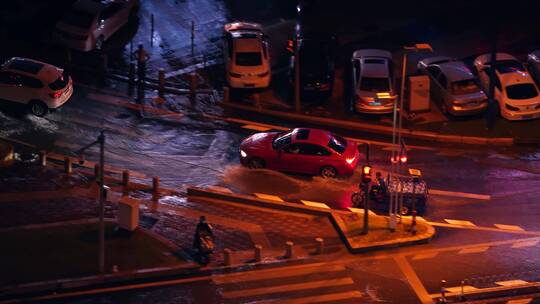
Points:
89	23
39	85
247	60
516	94
373	82
453	86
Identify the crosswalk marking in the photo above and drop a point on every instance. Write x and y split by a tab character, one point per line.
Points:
525	244
460	223
460	194
520	301
286	288
269	197
256	128
473	250
425	256
457	289
315	204
341	296
512	283
273	273
509	227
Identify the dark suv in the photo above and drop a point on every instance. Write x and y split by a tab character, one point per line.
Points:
316	55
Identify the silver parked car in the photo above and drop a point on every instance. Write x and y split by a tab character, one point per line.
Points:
373	82
453	86
533	59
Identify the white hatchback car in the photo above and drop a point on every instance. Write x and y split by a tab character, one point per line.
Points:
246	55
516	93
40	85
373	82
90	22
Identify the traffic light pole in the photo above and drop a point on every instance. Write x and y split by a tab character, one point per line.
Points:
297	105
365	188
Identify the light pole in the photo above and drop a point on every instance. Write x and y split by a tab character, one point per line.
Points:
297	105
101	141
396	130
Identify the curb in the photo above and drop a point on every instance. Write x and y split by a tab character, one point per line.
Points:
195	192
385	130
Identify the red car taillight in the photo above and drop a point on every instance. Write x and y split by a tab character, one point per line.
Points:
56	94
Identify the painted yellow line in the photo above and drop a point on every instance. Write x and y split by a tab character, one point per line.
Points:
424	256
512	283
315	204
268	274
509	227
256	128
286	288
247	122
360	210
532	243
460	194
413	280
479	249
520	301
457	289
333	297
269	197
460	223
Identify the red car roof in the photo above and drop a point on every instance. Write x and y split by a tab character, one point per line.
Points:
316	136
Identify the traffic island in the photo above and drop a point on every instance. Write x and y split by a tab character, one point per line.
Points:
379	236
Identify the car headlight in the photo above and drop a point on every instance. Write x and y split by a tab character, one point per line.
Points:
236	75
511	108
243	154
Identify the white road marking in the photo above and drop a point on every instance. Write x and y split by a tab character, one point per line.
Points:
256	128
315	204
520	301
333	297
192	68
457	289
525	244
460	194
509	227
460	223
512	283
286	288
473	250
424	256
269	197
360	210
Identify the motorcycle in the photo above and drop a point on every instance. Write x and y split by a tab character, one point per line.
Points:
376	194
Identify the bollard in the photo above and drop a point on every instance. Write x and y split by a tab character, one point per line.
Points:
68	168
443	292
155	188
43	158
289	249
125	182
193	85
227	258
96	171
258	251
115	268
161	86
257	100
462	290
413	224
226	94
320	245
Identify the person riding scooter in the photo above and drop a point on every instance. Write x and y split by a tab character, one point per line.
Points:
378	189
203	242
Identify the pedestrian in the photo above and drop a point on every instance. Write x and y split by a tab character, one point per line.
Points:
203	229
142	56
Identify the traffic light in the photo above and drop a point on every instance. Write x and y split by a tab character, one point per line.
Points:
366	174
403	158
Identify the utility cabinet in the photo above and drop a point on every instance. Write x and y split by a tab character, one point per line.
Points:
418	94
128	213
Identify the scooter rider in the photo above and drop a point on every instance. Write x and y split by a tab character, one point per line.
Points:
381	183
202	228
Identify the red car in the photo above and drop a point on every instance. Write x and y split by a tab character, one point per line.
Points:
302	150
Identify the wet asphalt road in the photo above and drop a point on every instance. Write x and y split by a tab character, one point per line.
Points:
188	149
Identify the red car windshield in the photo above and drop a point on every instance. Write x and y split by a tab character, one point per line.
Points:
281	140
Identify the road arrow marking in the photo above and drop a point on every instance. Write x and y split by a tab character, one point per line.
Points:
532	243
460	223
509	227
269	197
473	250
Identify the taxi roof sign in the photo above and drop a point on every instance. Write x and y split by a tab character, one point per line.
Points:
415	172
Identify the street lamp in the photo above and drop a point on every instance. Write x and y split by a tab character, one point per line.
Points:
396	134
101	141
